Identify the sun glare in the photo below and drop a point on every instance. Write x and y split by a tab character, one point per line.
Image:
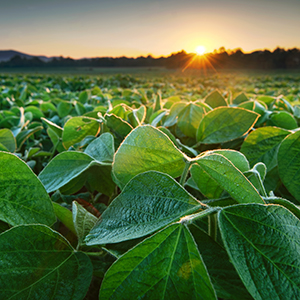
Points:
200	50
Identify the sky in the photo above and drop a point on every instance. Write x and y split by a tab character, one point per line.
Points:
93	28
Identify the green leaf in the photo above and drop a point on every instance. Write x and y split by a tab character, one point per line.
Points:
23	199
83	221
57	129
64	108
118	127
224	277
215	99
102	148
150	201
172	117
289	163
189	119
37	113
225	124
25	134
164	266
263	244
64	215
209	187
240	99
7	140
205	183
147	148
63	168
38	263
83	97
229	178
283	119
262	145
77	128
99	178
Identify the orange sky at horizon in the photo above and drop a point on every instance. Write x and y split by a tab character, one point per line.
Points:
132	28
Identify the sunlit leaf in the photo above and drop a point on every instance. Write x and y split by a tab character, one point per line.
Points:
164	266
148	202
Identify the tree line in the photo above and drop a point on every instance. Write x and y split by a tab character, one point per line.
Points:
219	59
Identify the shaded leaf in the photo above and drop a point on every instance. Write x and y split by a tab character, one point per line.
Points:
38	263
83	221
263	244
63	168
289	163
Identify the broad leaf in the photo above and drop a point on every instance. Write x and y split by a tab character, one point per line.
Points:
215	99
38	263
240	99
64	215
57	129
83	221
209	187
283	119
205	183
77	128
263	244
148	202
117	126
147	148
23	199
63	168
225	124
164	266
229	178
102	149
7	140
25	134
189	119
289	163
224	277
262	146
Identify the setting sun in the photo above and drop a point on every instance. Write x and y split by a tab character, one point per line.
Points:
200	50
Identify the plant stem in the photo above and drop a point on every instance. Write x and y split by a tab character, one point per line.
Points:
185	173
213	226
262	188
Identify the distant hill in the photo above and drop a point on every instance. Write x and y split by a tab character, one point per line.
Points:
221	59
6	55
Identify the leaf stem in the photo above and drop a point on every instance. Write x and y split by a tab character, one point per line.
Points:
203	213
261	185
94	253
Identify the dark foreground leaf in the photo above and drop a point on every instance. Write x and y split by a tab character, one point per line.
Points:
38	263
263	242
